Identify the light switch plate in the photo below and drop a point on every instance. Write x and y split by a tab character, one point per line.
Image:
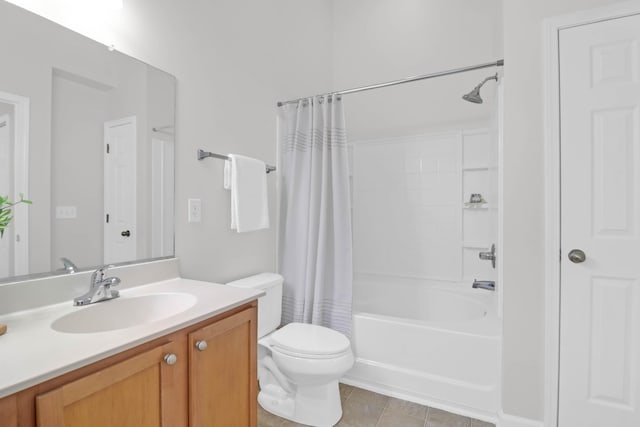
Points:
195	210
66	212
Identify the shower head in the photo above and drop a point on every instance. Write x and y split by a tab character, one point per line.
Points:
474	95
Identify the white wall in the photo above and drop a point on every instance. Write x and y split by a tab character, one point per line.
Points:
407	207
233	59
382	40
523	352
409	216
78	112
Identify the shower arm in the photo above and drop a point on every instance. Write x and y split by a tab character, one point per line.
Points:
494	77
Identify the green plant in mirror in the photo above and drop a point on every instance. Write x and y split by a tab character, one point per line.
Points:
5	211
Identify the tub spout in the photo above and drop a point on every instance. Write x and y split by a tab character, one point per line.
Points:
489	285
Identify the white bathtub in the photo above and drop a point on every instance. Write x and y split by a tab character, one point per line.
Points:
433	343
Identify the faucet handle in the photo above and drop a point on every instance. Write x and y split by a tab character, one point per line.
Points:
68	265
99	274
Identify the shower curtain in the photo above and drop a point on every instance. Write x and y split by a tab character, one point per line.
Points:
314	239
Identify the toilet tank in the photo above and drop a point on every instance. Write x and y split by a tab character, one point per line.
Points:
269	305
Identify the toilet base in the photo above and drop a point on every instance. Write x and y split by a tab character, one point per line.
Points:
317	406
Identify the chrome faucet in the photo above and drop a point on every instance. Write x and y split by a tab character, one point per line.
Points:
489	285
100	289
68	265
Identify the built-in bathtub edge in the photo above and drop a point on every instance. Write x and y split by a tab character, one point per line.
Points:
463	378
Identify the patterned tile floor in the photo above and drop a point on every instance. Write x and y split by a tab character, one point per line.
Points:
362	408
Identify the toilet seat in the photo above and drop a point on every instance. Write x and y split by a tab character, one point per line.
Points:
309	341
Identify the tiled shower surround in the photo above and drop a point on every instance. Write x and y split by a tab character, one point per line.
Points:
411	216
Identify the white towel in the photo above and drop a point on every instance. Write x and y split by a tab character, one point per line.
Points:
227	175
249	206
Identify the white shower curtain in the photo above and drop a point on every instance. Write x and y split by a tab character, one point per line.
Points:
315	249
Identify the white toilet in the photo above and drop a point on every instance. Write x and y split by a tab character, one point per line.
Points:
299	365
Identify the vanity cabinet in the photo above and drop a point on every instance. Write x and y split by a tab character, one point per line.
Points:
9	411
142	391
222	379
203	375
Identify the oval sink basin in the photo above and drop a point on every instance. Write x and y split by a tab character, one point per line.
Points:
124	312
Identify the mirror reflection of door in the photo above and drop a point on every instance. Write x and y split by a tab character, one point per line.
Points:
120	201
14	123
74	85
6	181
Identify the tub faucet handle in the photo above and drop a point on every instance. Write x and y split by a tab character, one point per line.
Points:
490	256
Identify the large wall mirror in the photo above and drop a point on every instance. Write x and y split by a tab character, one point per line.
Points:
87	134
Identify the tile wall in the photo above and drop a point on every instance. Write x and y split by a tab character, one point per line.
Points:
409	212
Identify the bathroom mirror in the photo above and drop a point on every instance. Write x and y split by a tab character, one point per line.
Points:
87	134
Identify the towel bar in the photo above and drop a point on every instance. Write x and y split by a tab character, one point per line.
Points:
204	154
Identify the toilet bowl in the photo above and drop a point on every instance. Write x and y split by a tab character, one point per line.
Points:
299	365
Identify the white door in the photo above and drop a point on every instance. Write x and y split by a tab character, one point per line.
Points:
6	246
600	210
120	234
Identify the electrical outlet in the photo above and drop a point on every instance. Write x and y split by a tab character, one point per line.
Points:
195	210
66	212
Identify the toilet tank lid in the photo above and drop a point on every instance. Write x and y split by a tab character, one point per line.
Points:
309	339
259	281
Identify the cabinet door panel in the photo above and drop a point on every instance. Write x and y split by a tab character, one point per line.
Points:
9	411
222	377
142	391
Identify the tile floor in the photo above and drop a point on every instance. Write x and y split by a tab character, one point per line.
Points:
362	408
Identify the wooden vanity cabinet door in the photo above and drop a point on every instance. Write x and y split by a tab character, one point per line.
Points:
142	391
9	411
223	376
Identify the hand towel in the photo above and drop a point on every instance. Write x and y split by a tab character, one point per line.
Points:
249	205
227	175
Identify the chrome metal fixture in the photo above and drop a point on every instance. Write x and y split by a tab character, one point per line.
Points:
577	256
163	129
170	359
474	95
204	154
489	285
498	63
68	265
489	256
100	289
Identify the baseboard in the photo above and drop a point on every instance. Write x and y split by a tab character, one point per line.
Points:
506	420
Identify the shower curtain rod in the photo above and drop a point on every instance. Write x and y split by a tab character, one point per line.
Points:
498	63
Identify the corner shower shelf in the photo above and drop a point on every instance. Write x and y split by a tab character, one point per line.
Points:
474	207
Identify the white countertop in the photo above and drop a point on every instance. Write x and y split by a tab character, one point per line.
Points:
32	352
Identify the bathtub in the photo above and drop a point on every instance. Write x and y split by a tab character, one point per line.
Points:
433	343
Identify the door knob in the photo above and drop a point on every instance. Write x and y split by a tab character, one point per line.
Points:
126	233
201	345
577	256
